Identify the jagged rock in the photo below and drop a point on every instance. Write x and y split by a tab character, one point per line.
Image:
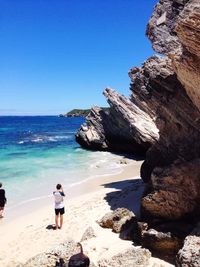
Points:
137	257
161	26
117	219
189	255
141	126
167	89
175	191
121	221
161	242
49	258
91	135
188	27
156	90
138	231
187	62
89	233
124	127
165	238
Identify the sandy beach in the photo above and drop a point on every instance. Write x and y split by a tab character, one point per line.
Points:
30	233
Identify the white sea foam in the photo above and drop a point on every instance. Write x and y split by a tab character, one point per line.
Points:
44	138
58	137
94	177
29	201
66	167
20	142
37	140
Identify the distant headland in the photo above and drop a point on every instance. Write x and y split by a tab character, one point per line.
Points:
79	112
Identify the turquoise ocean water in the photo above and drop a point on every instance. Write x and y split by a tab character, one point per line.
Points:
40	151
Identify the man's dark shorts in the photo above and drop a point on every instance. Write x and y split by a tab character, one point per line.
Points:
60	211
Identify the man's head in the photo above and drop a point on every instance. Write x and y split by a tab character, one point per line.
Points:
0	185
58	186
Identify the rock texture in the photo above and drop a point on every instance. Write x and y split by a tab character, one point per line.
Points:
187	62
177	116
132	257
58	253
88	234
119	220
162	117
156	89
161	242
189	255
166	238
173	195
133	130
161	26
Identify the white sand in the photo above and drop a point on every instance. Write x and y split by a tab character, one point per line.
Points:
26	236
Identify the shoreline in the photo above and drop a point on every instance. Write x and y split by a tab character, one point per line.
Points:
24	237
39	214
93	183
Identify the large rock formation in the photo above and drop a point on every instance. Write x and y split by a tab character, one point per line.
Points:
120	221
162	115
163	110
176	192
177	116
161	26
124	127
157	91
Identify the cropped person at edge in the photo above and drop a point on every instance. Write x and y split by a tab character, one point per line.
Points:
2	200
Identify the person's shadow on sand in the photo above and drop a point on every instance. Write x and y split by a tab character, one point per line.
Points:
51	227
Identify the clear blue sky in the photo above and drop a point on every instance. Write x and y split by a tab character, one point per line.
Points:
56	55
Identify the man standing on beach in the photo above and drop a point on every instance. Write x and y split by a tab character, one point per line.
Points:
2	200
59	205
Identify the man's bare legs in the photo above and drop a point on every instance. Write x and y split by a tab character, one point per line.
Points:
61	221
56	221
59	216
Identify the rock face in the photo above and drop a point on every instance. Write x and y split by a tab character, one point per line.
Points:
187	62
89	233
161	242
119	220
162	116
133	130
161	26
59	253
173	195
177	116
132	257
166	238
189	255
156	89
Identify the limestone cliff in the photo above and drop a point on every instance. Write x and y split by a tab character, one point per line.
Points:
125	127
178	117
162	116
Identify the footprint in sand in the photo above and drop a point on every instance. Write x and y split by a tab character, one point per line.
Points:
28	226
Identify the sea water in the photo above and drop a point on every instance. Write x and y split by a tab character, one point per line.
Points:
37	152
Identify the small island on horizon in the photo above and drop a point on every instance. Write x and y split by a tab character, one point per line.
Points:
80	112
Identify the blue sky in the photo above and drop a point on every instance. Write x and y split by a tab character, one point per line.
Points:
56	55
